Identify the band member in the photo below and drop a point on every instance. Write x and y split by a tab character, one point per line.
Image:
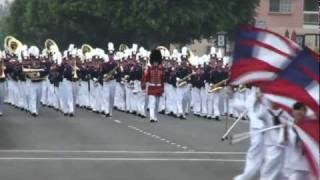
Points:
119	97
197	82
153	80
183	74
55	78
84	89
170	90
139	96
69	71
215	97
108	69
36	73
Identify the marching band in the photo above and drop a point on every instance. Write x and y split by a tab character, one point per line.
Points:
135	81
101	81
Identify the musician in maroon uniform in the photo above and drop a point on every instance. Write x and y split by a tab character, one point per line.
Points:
154	76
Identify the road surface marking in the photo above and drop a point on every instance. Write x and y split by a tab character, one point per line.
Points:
118	159
115	152
117	121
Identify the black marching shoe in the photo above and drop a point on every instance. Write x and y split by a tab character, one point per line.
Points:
71	115
217	118
152	121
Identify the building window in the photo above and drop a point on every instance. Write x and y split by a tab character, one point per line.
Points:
280	6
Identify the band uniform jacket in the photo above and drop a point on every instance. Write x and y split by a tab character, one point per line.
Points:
154	75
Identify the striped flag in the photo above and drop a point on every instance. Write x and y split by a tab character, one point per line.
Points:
259	55
299	82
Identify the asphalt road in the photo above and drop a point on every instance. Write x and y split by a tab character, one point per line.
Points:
92	147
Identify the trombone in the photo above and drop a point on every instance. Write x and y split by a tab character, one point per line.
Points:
218	86
192	60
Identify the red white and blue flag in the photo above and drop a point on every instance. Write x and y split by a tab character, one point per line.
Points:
285	74
299	82
259	55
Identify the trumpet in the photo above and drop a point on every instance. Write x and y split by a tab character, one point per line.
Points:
109	75
183	81
74	71
218	86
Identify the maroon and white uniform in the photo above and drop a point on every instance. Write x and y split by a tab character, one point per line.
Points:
153	79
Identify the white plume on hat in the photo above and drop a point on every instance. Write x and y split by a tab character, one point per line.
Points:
219	54
57	58
110	46
74	52
71	47
65	53
166	53
25	51
134	48
184	51
34	50
213	50
175	54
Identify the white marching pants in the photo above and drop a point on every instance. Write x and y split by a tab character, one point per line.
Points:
108	96
129	95
153	107
119	96
182	98
272	167
204	101
84	95
35	97
171	102
254	158
67	95
213	104
196	100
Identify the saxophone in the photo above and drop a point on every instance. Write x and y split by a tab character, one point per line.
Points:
109	75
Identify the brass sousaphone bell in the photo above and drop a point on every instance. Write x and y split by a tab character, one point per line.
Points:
50	46
123	47
86	48
14	46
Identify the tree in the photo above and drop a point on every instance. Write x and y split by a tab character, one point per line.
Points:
148	23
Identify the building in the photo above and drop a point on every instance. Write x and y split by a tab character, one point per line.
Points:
287	17
300	17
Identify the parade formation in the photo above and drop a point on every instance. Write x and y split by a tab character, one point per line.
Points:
126	80
137	81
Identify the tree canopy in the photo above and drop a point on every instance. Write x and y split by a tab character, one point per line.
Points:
125	21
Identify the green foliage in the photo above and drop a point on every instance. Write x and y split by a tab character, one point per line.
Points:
148	23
